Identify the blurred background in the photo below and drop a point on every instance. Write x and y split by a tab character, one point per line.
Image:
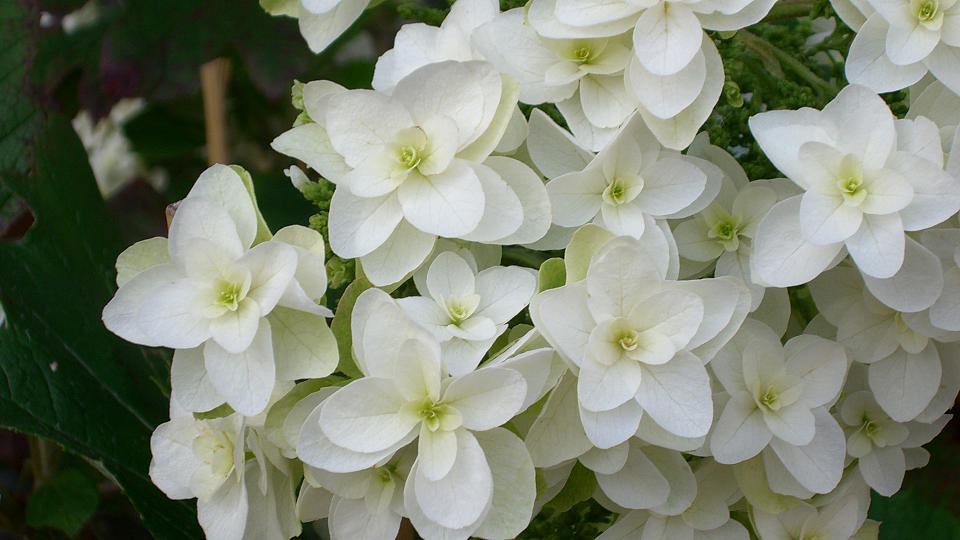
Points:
153	91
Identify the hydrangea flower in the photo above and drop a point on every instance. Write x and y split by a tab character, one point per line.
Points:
861	191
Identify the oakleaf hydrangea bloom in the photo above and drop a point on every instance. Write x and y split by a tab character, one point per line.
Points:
210	291
861	191
773	392
634	338
899	41
321	21
632	180
879	443
405	397
237	496
408	166
466	310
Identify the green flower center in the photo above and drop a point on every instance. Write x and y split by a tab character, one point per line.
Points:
852	189
769	399
230	294
409	156
928	10
629	340
581	54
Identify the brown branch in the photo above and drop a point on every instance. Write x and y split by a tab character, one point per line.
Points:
214	76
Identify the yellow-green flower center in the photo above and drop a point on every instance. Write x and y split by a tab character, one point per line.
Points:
229	294
629	340
408	156
581	54
769	400
928	10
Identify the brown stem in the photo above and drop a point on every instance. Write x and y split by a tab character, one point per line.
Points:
214	76
406	530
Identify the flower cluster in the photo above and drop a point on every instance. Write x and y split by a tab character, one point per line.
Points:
659	367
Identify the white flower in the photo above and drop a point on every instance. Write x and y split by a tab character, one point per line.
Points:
630	181
405	397
773	391
905	367
466	310
419	44
634	338
838	521
237	498
321	21
707	516
861	191
900	40
878	442
589	70
407	166
211	290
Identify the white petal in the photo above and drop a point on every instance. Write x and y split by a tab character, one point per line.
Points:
271	265
605	100
486	398
878	246
246	379
529	188
666	38
683	485
190	384
677	395
904	383
826	219
670	185
639	484
907	44
606	429
740	432
436	453
793	424
552	148
365	417
361	122
514	485
561	315
883	470
304	347
447	204
402	253
462	496
820	364
321	30
352	519
869	65
171	317
504	292
173	461
199	217
309	143
943	65
666	95
601	387
619	276
576	197
234	331
450	278
224	515
864	124
120	314
781	255
818	466
503	211
936	194
222	185
915	286
607	461
945	313
557	434
358	226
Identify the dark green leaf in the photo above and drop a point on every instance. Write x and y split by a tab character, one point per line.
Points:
579	487
553	274
66	503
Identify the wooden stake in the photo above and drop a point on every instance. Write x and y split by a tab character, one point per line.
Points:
214	76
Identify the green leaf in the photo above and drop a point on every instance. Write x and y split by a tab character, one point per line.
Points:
908	515
63	376
553	274
579	487
66	503
341	326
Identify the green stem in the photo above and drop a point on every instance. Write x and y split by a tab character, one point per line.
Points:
824	88
792	9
